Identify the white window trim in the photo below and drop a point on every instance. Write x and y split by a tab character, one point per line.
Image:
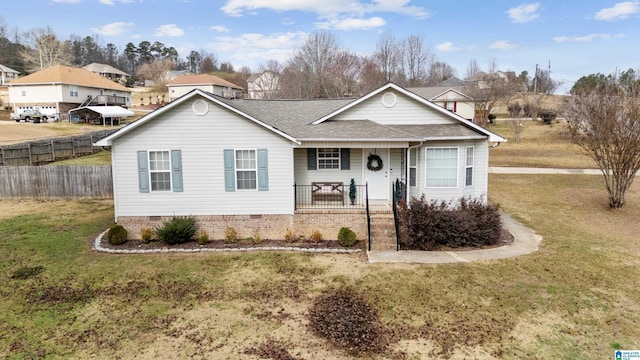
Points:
235	169
332	169
467	166
426	158
163	171
414	167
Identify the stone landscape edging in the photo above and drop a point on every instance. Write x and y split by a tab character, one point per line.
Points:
97	245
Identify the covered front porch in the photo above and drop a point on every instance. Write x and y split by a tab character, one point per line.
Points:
349	177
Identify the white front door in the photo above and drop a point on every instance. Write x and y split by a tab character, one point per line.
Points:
378	180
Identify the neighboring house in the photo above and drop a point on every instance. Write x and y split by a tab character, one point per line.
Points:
265	85
60	89
108	71
7	74
450	96
183	84
273	165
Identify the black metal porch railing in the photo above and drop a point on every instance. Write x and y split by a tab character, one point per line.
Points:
398	194
329	197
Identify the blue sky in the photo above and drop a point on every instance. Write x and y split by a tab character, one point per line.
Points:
577	37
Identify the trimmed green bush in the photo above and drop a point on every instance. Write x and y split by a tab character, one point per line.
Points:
346	237
117	235
177	230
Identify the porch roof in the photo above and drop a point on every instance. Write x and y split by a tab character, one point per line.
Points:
440	132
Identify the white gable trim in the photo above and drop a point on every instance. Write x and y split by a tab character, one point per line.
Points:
108	141
492	136
450	89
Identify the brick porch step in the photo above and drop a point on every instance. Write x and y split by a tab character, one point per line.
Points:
383	232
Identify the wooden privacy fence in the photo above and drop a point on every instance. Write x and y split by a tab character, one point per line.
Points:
49	150
64	181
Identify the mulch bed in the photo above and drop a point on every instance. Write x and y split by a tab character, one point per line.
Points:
220	244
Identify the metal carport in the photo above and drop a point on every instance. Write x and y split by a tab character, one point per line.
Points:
104	112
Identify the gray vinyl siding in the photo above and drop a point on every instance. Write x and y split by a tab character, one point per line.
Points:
406	111
480	173
202	140
303	176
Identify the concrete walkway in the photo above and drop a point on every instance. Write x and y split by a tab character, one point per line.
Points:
525	242
526	170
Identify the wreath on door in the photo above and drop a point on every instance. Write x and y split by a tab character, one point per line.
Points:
374	162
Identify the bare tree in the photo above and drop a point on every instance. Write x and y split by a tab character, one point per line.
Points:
487	90
473	68
388	57
158	71
606	125
439	72
45	50
417	59
371	77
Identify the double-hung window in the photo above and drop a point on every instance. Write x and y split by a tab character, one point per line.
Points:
441	167
328	158
73	90
246	170
160	170
413	167
468	169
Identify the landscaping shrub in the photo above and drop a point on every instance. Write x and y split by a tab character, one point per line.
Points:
316	236
345	319
230	235
547	115
431	225
289	236
491	118
346	237
177	230
117	235
257	238
203	237
146	235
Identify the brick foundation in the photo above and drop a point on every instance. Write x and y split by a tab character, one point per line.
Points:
302	223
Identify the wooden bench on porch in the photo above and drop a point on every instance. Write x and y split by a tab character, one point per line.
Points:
327	191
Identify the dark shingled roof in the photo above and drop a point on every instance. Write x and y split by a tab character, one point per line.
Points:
294	117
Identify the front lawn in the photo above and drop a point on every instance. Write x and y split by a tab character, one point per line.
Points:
576	298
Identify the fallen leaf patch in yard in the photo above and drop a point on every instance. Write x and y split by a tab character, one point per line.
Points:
271	349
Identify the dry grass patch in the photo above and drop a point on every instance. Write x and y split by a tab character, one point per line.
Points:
540	146
12	132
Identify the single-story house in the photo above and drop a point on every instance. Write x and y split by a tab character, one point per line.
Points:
273	165
183	84
59	89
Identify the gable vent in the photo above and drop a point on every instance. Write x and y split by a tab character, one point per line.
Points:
389	99
200	107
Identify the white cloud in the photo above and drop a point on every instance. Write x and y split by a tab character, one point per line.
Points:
258	47
66	1
524	13
171	30
113	2
113	29
352	23
447	47
219	28
586	38
325	7
503	45
619	11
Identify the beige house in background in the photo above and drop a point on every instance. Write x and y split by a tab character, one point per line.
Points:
450	95
59	89
182	84
108	72
265	85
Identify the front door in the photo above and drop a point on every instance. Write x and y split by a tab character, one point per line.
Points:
376	174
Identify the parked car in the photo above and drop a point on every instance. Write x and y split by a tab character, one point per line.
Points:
35	115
